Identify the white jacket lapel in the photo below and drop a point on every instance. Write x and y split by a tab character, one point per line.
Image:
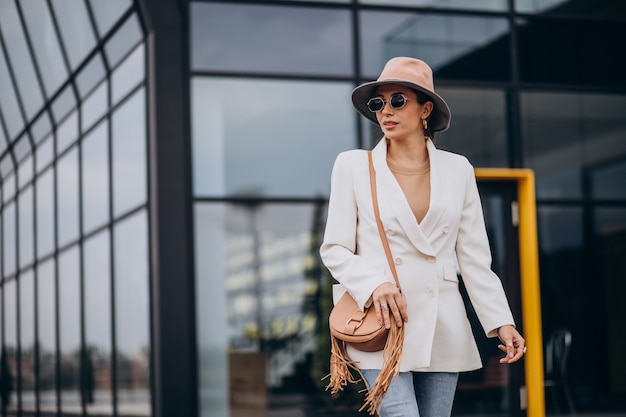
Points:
391	199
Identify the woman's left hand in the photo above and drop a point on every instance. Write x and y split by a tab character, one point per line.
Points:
513	344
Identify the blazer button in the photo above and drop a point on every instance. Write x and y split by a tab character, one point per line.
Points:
391	232
431	259
431	292
446	229
397	261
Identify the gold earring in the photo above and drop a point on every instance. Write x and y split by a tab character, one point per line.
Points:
425	124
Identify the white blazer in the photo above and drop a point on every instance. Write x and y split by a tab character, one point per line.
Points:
438	335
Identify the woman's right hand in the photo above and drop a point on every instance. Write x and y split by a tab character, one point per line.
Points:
389	303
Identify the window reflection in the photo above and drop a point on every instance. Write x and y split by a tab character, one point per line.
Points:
95	178
609	181
26	231
63	103
45	44
132	315
563	132
228	37
67	197
258	286
454	46
46	335
265	144
129	154
27	339
107	13
493	5
67	132
90	75
25	171
41	127
97	309
8	102
123	41
9	358
130	73
45	213
44	154
9	242
69	330
20	59
73	19
95	106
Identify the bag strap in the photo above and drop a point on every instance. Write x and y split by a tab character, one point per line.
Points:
379	223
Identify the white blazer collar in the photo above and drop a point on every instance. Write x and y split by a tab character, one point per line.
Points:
391	197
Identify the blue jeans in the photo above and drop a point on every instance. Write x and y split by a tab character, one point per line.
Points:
432	393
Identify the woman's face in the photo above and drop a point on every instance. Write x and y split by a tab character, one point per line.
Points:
405	121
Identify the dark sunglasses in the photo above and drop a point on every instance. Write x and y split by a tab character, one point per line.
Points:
397	101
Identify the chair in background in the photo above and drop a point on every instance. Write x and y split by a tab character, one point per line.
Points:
556	378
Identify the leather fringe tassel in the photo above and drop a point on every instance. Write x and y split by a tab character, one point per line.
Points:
341	369
392	355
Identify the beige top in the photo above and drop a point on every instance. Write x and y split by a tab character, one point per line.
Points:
415	182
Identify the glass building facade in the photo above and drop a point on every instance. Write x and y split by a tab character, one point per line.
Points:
165	165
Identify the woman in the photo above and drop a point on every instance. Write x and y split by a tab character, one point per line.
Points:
431	211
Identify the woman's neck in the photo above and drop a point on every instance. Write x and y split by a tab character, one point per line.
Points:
408	152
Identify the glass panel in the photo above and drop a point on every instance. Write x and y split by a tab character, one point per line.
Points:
26	231
27	339
69	330
8	190
586	8
238	149
44	153
97	267
567	48
129	154
67	197
107	13
25	172
9	242
563	132
45	43
21	147
41	127
63	104
95	106
8	102
610	225
493	5
21	62
67	132
73	19
132	308
123	41
609	182
258	292
9	358
454	46
90	75
46	335
45	213
270	39
130	73
95	186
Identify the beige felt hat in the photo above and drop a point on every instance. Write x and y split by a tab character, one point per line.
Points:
408	72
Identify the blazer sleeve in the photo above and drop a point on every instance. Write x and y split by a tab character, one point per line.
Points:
483	286
338	249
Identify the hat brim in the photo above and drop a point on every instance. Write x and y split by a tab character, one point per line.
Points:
439	118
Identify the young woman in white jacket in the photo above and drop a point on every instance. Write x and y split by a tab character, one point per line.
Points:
431	212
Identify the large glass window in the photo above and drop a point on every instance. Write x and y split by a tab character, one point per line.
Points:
67	197
281	140
564	132
274	39
27	339
46	335
95	178
132	306
256	292
454	46
9	358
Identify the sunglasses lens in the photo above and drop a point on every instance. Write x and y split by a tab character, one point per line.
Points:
375	104
397	101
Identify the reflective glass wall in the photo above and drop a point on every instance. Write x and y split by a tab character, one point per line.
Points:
270	85
73	209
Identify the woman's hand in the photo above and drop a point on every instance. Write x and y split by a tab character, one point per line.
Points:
388	298
513	344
